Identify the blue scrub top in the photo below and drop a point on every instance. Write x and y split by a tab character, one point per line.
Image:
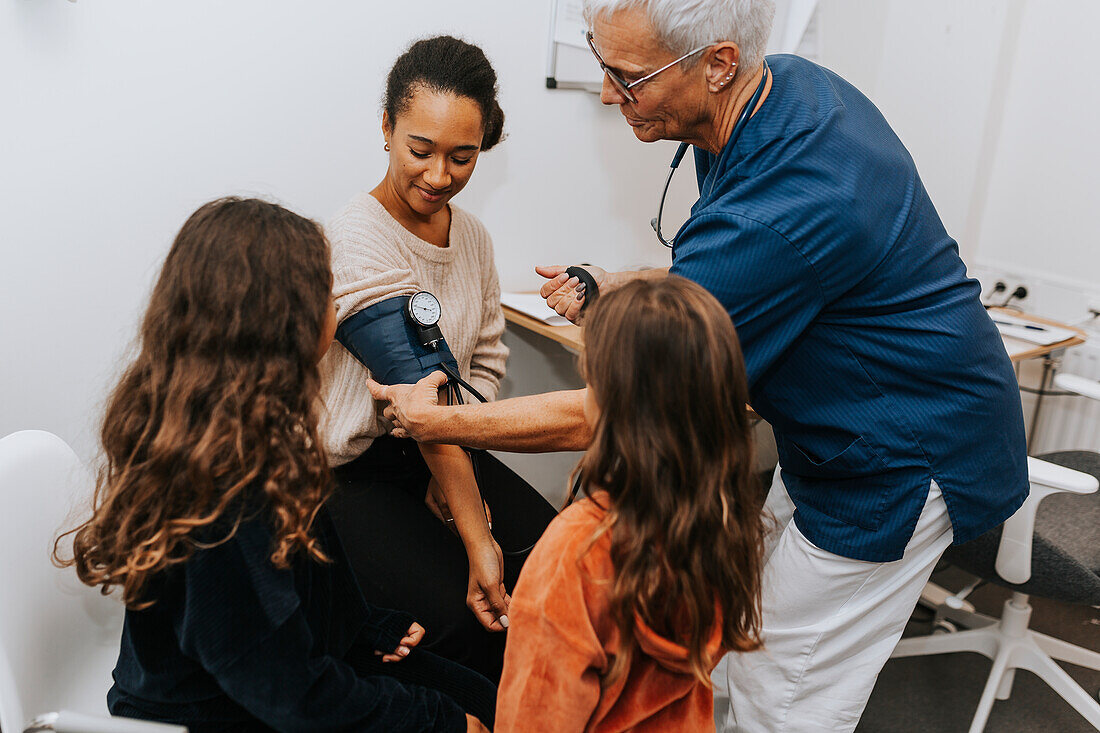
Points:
867	347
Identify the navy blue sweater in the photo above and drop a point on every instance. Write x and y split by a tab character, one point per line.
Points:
232	643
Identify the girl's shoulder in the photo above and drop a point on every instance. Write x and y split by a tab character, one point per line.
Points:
575	535
589	511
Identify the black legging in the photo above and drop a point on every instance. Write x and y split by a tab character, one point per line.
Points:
405	558
468	689
473	693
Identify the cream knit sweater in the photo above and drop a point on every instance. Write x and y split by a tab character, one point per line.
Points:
374	258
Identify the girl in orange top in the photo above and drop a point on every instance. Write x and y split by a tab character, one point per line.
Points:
633	594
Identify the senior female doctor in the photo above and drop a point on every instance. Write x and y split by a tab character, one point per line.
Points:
894	405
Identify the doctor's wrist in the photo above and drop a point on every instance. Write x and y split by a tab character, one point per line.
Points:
433	423
614	280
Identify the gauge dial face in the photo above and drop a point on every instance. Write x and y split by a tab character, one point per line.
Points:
424	308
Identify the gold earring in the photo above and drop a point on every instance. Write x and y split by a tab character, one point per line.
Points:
386	147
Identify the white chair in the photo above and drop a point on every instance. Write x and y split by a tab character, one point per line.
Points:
58	639
1062	552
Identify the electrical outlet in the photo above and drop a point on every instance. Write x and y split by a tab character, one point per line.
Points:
1014	294
1004	287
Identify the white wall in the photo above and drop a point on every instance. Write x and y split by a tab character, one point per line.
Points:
1044	193
120	118
996	101
936	71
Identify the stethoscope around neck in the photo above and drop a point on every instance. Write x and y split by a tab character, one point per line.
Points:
742	119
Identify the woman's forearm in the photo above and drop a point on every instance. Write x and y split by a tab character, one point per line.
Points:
541	423
452	470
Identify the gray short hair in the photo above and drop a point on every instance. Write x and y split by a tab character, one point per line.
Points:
683	25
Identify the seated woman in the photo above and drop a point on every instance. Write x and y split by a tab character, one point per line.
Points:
404	236
242	613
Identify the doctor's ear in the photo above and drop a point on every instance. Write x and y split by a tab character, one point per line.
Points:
721	65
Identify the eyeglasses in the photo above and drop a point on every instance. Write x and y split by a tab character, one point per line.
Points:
620	84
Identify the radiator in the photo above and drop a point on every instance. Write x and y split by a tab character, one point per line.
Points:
1072	423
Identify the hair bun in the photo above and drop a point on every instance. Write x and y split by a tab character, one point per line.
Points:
450	65
494	127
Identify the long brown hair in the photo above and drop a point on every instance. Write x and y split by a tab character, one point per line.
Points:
217	410
672	447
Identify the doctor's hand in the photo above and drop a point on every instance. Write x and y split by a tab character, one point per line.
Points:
413	408
566	294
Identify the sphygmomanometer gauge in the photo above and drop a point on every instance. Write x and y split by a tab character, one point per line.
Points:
424	309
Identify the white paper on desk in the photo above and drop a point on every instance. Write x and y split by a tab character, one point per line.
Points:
1017	328
1015	346
533	305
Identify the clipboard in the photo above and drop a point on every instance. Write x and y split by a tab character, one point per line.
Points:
569	63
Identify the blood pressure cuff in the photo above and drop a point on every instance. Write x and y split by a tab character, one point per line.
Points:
385	342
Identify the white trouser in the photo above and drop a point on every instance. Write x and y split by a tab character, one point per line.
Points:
830	624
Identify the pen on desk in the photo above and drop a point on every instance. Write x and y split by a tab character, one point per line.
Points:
1028	326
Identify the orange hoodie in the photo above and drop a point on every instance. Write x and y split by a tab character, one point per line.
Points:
562	641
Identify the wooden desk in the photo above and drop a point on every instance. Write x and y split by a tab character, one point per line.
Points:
570	336
1020	350
1051	354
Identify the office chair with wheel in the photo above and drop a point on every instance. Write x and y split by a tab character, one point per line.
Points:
1053	551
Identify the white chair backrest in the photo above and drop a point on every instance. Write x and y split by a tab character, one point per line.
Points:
1080	385
58	639
1014	553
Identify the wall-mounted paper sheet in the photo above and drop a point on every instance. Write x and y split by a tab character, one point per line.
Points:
569	24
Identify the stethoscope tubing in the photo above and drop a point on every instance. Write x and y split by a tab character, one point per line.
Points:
742	120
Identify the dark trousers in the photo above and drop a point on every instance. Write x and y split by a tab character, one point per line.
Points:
469	690
473	693
406	559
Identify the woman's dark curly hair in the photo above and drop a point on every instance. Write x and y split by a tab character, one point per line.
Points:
217	412
446	64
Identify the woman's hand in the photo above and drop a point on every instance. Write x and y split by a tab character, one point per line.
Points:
473	725
485	594
565	294
411	639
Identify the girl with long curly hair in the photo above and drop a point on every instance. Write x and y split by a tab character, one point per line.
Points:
242	612
634	593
